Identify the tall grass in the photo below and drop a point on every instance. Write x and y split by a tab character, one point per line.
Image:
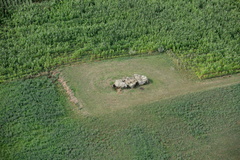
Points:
204	35
9	3
37	123
6	5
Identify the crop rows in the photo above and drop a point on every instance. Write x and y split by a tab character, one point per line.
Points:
37	123
203	35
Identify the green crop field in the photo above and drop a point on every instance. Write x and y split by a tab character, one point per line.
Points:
59	58
203	35
37	122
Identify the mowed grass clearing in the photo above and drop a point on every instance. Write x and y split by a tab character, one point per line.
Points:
91	82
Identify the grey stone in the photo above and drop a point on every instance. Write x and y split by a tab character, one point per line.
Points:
120	84
141	79
131	82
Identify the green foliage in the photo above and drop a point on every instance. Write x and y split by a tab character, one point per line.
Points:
142	142
7	5
37	123
204	35
34	124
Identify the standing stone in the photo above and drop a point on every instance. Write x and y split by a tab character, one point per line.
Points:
141	79
119	84
130	81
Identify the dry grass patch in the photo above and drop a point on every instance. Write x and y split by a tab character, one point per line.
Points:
91	82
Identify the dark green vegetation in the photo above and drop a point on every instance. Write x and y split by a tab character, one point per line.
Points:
37	123
203	34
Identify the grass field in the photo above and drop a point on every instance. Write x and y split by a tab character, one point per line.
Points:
91	82
176	44
37	122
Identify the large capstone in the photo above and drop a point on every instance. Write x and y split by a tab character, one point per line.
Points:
131	82
141	79
120	84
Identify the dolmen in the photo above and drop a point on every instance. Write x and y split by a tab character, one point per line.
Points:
130	82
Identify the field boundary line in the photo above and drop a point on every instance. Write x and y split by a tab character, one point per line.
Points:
72	98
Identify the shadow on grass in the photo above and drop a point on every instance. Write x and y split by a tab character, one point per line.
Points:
150	81
137	86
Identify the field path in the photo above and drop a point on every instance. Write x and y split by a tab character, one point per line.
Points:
92	82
